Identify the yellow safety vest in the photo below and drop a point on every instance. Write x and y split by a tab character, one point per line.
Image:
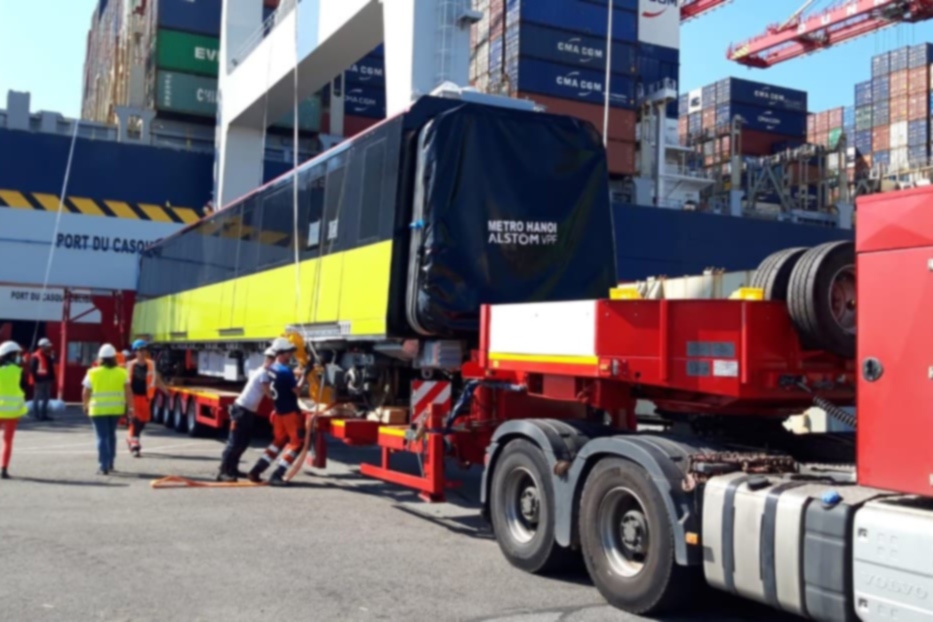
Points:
12	399
108	391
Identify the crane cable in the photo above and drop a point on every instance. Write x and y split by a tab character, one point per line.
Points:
55	230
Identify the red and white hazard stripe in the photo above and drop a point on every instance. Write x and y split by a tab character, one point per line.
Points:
425	393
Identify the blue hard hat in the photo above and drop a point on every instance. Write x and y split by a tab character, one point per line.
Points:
140	344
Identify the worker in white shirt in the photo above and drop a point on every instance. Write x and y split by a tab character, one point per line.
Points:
243	416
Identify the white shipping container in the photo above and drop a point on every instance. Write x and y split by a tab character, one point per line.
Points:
832	162
695	101
899	159
898	133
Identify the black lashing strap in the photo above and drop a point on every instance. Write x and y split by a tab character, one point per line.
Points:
768	544
728	531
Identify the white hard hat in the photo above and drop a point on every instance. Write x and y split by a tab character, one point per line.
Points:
271	352
44	342
281	344
9	347
107	351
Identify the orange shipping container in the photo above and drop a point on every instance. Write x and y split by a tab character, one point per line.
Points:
811	124
822	122
881	138
709	118
898	109
919	81
621	157
918	106
899	81
621	122
835	118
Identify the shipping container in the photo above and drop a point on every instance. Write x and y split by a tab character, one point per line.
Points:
187	53
918	80
880	113
683	129
898	109
863	118
620	157
628	5
365	101
186	94
863	141
863	93
309	116
822	122
811	124
653	71
881	138
920	55
918	132
899	59
848	116
834	118
898	134
574	15
898	83
566	48
683	105
736	90
776	120
195	16
711	119
880	89
695	123
881	158
695	101
576	84
880	65
918	106
833	138
621	121
918	155
497	19
899	159
353	125
368	71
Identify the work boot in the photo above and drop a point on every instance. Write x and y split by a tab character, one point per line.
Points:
254	476
276	479
226	478
137	452
4	474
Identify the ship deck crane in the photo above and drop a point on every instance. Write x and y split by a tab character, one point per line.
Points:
695	8
842	22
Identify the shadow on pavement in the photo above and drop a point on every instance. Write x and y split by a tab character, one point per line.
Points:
70	482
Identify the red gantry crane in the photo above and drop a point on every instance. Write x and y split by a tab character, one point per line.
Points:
843	21
694	8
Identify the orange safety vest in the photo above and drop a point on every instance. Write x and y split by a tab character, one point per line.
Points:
150	376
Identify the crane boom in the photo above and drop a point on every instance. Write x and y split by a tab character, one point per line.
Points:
694	8
845	21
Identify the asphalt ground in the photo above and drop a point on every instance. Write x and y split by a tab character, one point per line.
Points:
77	546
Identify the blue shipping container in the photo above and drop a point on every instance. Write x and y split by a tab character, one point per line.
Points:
708	95
575	15
918	132
683	104
496	56
628	5
559	46
536	76
695	122
365	101
920	55
880	89
732	90
775	120
848	116
899	59
863	93
368	71
863	141
880	65
881	157
863	118
918	155
652	71
659	52
196	16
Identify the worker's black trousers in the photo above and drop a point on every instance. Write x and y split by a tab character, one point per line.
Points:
242	422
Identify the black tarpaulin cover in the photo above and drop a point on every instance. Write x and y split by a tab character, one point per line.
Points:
510	206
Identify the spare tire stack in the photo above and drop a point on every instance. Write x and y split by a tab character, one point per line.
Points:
818	286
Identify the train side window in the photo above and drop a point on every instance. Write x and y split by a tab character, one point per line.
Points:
226	241
374	161
334	198
311	231
248	256
275	239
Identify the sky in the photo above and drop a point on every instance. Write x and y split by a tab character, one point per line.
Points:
42	46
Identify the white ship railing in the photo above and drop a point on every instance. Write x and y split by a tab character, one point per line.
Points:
263	31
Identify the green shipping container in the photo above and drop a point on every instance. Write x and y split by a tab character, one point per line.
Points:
180	51
309	116
834	136
186	94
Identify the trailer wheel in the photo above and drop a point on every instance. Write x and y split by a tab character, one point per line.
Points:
773	275
628	543
194	429
171	405
522	509
181	418
821	298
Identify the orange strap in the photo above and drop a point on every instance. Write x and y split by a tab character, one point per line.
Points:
176	481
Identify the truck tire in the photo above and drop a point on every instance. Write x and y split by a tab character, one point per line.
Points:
522	509
158	406
194	429
773	275
171	405
181	418
821	298
628	542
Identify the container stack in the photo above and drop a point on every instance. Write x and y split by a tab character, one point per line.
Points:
364	94
555	53
826	128
770	118
101	71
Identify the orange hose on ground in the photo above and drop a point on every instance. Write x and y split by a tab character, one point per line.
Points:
176	481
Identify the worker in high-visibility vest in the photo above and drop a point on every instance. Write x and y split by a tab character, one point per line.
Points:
144	381
107	397
42	368
12	398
